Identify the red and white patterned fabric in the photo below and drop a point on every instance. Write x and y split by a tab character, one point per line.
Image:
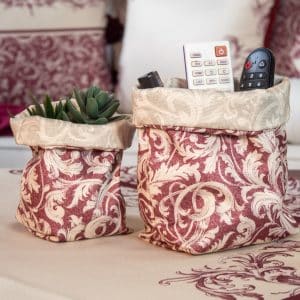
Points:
203	190
70	189
284	41
285	38
69	195
268	271
50	46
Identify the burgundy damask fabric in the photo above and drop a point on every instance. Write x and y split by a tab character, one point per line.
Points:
53	47
48	63
69	195
285	38
204	190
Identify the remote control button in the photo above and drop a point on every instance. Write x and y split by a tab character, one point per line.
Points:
195	55
209	62
196	63
198	73
260	84
220	51
262	64
199	81
223	80
223	71
250	76
210	72
244	76
249	84
223	61
260	75
211	80
242	85
248	64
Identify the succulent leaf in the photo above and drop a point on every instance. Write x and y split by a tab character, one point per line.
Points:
29	111
38	109
49	110
74	114
83	97
111	109
90	92
117	118
58	109
97	121
102	100
63	116
79	101
92	108
96	91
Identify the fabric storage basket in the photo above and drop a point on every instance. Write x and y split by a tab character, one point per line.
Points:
70	189
212	168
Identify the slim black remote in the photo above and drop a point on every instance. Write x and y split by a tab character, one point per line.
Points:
258	72
150	80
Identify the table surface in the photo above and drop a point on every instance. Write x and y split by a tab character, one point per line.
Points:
125	267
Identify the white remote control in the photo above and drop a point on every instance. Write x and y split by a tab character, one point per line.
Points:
208	66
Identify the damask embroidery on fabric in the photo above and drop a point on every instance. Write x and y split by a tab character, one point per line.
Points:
285	38
128	184
51	63
238	276
214	190
69	195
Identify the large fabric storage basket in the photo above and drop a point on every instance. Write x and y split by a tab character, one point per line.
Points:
212	168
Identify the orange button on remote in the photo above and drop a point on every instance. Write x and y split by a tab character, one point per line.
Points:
220	51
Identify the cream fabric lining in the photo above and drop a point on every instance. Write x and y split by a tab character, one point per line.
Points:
49	133
248	110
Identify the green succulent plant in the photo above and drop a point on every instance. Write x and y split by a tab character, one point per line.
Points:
94	106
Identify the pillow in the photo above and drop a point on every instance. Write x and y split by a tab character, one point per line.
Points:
293	125
155	34
51	46
285	44
285	38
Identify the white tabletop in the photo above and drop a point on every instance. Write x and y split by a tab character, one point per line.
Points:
125	267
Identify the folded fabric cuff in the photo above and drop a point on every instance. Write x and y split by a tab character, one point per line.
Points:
50	133
252	110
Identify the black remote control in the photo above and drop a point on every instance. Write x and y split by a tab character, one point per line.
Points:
150	80
258	72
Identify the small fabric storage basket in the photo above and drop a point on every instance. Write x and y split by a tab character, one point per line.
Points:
70	189
212	167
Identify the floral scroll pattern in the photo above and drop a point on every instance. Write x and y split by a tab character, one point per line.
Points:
239	275
285	40
69	195
206	190
51	63
292	199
